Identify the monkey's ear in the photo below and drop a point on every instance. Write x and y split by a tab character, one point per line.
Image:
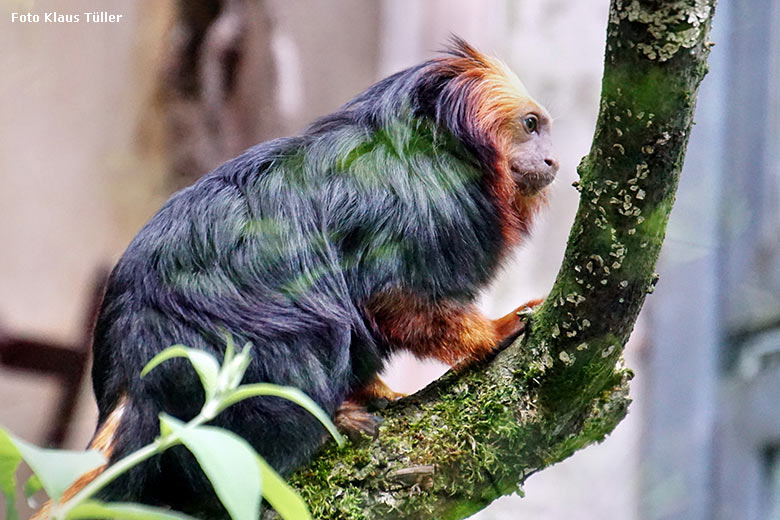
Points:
460	48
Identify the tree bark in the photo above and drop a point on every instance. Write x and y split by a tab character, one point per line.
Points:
473	436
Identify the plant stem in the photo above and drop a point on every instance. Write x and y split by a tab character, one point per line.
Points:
109	474
113	471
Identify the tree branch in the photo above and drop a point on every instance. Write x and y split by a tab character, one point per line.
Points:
473	436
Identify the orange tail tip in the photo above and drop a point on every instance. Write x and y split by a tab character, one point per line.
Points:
103	441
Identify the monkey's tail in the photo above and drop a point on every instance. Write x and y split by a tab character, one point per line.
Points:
103	441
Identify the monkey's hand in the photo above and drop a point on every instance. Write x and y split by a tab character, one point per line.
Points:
513	324
375	395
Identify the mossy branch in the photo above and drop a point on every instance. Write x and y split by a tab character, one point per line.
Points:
473	436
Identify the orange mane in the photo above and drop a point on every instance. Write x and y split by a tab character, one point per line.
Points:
493	99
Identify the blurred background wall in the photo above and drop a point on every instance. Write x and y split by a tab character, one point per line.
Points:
101	122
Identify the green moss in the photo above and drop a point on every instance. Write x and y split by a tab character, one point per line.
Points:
652	91
471	470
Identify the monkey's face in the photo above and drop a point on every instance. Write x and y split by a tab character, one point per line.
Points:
532	160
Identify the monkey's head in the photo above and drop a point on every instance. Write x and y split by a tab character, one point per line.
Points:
489	109
531	158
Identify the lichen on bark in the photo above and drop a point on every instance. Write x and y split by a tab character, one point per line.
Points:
475	435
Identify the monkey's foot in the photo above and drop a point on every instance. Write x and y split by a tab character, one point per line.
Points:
375	395
355	421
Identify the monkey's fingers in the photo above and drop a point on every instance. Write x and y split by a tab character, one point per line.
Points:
529	306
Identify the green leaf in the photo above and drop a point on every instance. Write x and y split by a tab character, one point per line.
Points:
32	486
58	469
230	348
228	461
93	509
235	368
165	429
9	461
286	392
280	495
203	363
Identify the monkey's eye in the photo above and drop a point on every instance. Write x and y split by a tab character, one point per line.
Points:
531	124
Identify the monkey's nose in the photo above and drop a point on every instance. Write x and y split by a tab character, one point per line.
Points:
552	163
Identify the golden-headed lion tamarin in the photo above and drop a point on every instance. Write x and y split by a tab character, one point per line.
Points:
370	232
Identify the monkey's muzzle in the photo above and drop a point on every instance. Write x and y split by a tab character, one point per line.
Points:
530	181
